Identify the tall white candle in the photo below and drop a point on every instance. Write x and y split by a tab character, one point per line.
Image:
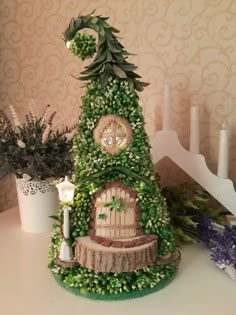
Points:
223	156
194	130
66	225
167	108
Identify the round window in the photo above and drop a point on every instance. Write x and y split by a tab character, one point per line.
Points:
112	133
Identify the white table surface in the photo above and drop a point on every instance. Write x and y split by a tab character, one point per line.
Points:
28	288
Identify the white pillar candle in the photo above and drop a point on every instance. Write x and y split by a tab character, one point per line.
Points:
66	225
223	152
194	130
167	108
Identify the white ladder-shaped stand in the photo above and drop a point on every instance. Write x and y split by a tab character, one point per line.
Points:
166	143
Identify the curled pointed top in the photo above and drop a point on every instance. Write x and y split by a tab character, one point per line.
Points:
111	58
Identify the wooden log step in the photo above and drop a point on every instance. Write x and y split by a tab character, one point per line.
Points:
171	257
111	259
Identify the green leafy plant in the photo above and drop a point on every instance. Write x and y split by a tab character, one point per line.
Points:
116	204
7	137
83	45
186	205
34	147
111	58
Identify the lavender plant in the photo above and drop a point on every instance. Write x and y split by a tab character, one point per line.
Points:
34	147
7	137
194	220
221	241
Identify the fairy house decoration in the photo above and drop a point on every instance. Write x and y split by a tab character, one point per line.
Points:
120	230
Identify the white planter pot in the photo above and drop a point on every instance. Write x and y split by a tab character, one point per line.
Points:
38	200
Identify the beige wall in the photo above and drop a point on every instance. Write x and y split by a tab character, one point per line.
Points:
190	43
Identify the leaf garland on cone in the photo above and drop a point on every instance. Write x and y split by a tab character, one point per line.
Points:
111	58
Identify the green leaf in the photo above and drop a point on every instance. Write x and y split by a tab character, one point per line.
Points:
113	48
187	220
214	212
190	204
201	198
85	78
109	57
72	25
114	30
105	77
86	18
106	205
95	27
119	72
105	25
77	24
131	84
101	41
183	237
101	216
100	58
94	70
55	217
127	67
101	32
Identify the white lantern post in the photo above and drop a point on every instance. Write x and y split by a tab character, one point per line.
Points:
66	194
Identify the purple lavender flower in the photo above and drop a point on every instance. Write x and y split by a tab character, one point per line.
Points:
221	241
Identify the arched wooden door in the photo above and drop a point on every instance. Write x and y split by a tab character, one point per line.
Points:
113	223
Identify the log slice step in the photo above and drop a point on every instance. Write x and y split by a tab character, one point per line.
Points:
110	259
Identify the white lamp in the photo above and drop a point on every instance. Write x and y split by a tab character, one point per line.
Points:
66	194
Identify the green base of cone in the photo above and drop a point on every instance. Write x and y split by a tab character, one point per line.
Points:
111	296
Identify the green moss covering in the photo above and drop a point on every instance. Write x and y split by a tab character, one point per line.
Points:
110	91
135	293
132	165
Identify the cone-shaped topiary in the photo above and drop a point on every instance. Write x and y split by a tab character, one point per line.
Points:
124	242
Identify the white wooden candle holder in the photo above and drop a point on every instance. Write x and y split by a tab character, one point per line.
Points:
166	143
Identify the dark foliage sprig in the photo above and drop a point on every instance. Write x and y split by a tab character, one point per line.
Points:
111	58
7	136
186	205
34	147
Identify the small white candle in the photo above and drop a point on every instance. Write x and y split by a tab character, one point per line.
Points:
167	108
194	130
66	225
223	152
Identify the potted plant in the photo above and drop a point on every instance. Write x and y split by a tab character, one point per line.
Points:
36	153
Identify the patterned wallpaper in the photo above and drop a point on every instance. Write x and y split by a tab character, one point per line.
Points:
190	43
